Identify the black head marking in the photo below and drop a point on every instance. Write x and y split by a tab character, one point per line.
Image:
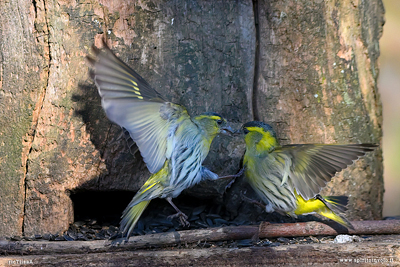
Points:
266	127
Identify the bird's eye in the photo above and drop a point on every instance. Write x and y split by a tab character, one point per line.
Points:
219	122
246	131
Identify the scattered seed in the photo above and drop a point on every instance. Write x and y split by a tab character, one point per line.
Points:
16	238
38	236
198	210
245	243
68	238
283	240
79	223
60	238
213	216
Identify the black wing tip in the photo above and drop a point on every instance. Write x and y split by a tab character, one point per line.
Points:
338	204
92	74
370	146
104	46
96	51
90	60
348	224
339	201
366	147
104	43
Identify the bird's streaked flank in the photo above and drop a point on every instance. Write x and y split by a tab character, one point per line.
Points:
289	178
173	144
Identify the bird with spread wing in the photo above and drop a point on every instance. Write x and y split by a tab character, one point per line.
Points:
289	178
172	143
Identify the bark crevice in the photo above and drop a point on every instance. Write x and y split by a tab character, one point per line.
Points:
40	101
256	61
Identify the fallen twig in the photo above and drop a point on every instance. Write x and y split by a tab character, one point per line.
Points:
268	230
264	230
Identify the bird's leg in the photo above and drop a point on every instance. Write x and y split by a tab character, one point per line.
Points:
182	216
252	201
233	177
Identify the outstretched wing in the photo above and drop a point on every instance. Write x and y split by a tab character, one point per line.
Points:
133	104
312	166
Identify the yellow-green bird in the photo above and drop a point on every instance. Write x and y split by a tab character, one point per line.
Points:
173	144
289	178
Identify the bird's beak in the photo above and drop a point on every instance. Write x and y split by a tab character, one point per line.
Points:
227	130
238	132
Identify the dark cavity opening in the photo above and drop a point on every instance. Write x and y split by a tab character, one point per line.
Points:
97	215
104	207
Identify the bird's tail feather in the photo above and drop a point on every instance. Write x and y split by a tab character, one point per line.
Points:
151	189
335	207
131	216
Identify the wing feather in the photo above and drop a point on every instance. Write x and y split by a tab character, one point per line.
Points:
314	165
133	104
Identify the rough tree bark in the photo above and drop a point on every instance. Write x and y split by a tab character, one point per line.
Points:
310	69
24	66
317	82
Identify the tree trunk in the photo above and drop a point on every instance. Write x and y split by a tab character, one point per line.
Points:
24	66
308	68
317	82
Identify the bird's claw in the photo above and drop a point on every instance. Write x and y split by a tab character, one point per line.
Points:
183	218
239	173
230	183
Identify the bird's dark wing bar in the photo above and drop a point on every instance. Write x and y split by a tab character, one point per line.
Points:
314	165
